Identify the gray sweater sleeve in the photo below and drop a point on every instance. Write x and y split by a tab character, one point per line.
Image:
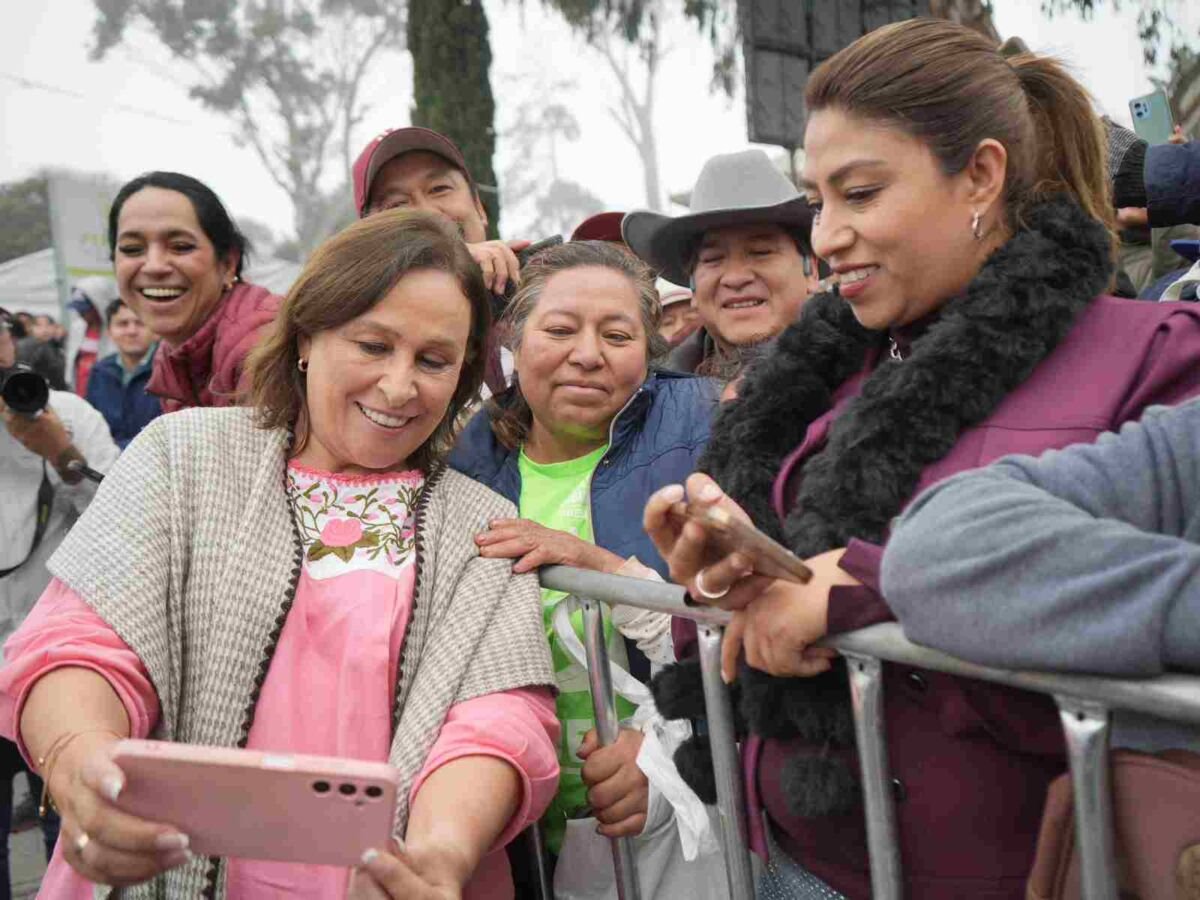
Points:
1083	559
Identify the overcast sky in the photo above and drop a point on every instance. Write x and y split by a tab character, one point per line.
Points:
131	113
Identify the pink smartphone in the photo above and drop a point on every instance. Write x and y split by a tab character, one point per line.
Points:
252	805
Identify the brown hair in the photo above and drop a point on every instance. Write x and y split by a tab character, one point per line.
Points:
345	278
510	413
949	87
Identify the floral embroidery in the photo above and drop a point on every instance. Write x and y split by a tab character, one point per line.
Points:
365	520
341	532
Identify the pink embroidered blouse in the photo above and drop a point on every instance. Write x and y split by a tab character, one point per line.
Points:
329	690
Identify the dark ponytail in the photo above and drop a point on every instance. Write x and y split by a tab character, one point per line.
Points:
1071	153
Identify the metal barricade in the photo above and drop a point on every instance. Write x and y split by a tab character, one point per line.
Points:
594	588
1085	704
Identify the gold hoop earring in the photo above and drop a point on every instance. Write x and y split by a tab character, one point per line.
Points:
976	230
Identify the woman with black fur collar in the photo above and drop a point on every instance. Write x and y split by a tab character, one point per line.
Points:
962	200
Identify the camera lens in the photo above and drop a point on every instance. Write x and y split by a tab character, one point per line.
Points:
374	792
321	787
348	790
25	391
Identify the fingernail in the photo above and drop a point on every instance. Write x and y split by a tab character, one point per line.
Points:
710	492
370	856
111	786
172	841
725	677
672	493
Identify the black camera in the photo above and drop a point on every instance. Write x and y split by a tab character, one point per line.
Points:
24	390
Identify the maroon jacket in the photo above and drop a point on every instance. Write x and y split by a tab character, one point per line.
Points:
206	369
972	760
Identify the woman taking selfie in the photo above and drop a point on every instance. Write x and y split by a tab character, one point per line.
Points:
579	442
178	259
301	576
982	332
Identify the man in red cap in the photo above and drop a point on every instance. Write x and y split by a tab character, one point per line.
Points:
416	168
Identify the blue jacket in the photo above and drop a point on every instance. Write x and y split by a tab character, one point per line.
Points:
1172	174
127	408
654	441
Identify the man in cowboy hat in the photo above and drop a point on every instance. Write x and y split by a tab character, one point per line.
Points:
417	168
744	249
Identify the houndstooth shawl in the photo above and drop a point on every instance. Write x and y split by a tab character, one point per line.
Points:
189	552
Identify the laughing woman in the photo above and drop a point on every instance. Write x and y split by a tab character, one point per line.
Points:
178	259
962	199
301	576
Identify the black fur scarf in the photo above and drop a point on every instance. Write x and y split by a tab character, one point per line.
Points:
1023	302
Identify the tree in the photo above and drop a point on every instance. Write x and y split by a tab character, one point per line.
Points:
628	36
24	217
536	132
1158	23
634	110
452	91
286	73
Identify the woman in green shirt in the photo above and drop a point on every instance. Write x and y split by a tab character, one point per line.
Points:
583	437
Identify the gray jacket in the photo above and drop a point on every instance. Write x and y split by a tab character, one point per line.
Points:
1083	559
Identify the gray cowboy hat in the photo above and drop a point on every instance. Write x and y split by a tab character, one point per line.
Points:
733	189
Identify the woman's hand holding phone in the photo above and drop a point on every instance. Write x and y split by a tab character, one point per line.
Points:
775	620
402	873
726	579
102	843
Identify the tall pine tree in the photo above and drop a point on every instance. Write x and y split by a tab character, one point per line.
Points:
452	93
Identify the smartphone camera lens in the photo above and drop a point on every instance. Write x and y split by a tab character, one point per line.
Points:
348	789
374	792
321	787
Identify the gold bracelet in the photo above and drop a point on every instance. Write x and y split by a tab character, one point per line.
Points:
46	761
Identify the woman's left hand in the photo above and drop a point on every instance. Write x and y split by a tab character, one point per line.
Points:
778	622
406	874
533	546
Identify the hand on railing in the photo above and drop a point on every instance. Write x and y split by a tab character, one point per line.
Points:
533	546
618	790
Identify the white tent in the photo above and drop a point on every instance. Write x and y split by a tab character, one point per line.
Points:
29	283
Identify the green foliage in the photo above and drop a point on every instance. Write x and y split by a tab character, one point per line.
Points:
24	217
1157	23
287	74
452	91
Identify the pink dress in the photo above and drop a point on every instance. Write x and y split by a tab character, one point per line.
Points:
329	690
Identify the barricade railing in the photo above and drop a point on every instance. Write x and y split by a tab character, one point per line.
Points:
1085	706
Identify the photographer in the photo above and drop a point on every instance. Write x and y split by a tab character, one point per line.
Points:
42	499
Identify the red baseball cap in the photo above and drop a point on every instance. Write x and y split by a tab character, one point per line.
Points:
605	226
393	143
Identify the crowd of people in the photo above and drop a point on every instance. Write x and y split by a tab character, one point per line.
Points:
322	514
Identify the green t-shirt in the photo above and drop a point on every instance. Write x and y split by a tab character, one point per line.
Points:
558	495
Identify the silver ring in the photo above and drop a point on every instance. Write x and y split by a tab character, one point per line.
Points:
81	842
705	592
